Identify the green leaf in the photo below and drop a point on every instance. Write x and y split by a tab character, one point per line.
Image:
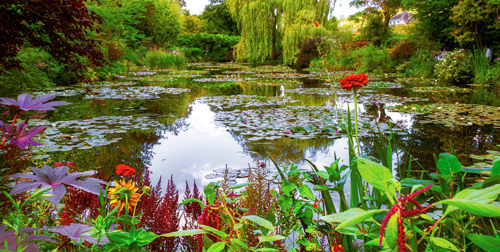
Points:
265	249
485	242
287	187
448	164
490	181
241	185
376	175
391	233
306	191
217	247
322	174
413	182
213	230
495	170
194	200
240	243
270	238
443	243
474	207
261	221
351	217
210	192
237	226
185	233
146	238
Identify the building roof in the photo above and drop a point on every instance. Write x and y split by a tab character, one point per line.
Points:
404	15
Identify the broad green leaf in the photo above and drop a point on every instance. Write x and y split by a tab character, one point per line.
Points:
241	185
237	226
193	200
495	170
485	242
265	249
391	233
490	181
146	238
306	191
351	217
485	195
186	233
261	221
376	175
240	243
448	164
213	230
443	243
287	187
322	174
210	192
217	247
413	182
270	238
474	207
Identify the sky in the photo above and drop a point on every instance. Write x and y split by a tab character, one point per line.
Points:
341	9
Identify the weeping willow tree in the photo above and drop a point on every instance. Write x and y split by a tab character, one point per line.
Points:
267	25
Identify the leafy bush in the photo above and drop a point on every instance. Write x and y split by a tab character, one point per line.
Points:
421	64
193	54
375	59
215	45
308	51
159	59
453	68
403	51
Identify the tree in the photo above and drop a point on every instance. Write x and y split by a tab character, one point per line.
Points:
476	21
192	24
60	27
389	8
218	20
168	21
268	25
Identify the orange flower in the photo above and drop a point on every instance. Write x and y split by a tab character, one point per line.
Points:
125	170
357	80
327	81
124	194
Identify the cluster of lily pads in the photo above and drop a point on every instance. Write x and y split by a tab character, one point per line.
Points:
311	91
89	133
283	75
137	92
484	163
442	89
225	102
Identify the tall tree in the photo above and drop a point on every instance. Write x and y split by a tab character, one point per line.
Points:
60	27
389	9
218	20
267	25
168	21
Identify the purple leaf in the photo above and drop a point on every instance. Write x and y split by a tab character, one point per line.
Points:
55	180
25	102
19	135
28	241
76	233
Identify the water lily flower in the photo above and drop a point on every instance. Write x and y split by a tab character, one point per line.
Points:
337	131
244	122
376	103
255	125
287	132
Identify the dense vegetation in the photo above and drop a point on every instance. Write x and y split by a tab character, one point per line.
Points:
61	43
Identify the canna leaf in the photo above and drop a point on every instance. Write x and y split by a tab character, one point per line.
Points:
485	242
448	164
376	175
260	221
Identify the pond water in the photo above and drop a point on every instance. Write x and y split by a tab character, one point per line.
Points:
192	124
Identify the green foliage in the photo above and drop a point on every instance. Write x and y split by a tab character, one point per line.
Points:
374	29
159	59
193	54
214	46
375	59
218	20
453	67
421	64
480	66
168	22
192	24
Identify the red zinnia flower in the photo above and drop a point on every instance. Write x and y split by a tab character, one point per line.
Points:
125	170
357	80
317	25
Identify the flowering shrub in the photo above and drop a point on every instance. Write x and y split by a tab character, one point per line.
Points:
403	51
454	67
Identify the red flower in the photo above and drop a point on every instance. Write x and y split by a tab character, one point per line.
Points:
125	170
317	25
315	205
357	80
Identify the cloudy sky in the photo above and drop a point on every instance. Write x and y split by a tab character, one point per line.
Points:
341	8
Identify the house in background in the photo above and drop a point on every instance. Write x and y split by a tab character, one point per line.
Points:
400	19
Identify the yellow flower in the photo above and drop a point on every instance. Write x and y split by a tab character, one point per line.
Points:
124	192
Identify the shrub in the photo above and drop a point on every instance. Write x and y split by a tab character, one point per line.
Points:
375	59
193	54
159	59
308	51
403	51
453	68
215	46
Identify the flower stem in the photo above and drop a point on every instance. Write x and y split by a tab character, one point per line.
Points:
356	117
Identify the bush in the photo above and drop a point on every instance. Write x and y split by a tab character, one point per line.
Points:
159	59
215	46
308	51
403	51
193	54
453	68
375	59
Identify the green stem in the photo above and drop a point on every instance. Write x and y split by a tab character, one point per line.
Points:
356	118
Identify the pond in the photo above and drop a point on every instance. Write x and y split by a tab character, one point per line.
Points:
191	124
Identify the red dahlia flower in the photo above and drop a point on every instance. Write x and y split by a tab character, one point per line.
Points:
125	170
357	80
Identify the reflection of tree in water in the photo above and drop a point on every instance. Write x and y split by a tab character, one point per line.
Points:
284	150
173	111
424	140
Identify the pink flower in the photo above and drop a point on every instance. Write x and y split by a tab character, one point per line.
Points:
287	132
273	111
255	125
244	122
337	131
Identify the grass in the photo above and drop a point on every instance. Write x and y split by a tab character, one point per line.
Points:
159	59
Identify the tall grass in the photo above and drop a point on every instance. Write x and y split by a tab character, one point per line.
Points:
159	59
480	65
376	59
